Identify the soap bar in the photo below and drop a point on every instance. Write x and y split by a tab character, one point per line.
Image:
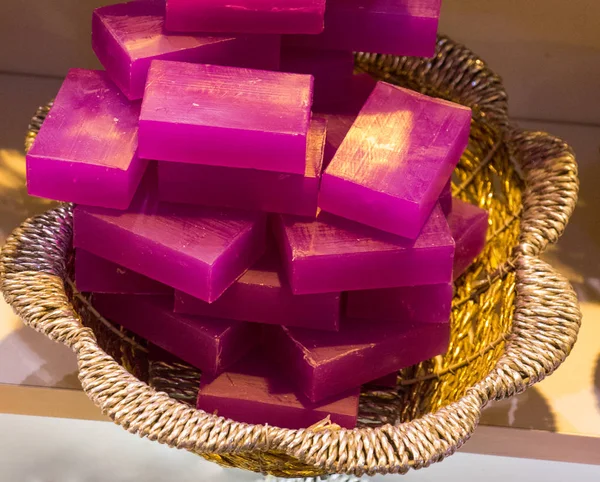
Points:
86	150
198	250
252	16
409	304
248	188
468	225
397	27
331	69
387	381
446	198
236	117
395	160
126	37
253	392
323	364
208	344
97	275
263	295
333	254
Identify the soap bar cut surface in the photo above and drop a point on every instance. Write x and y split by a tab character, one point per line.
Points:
397	27
96	275
126	37
248	188
86	150
406	305
333	254
198	250
252	16
236	117
469	225
208	344
395	160
324	364
253	392
263	295
446	198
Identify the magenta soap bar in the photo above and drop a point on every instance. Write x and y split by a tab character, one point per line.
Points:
195	249
263	295
128	36
324	364
446	198
248	188
468	225
236	117
208	344
251	16
331	69
86	151
333	254
253	392
387	381
397	27
97	275
395	160
408	304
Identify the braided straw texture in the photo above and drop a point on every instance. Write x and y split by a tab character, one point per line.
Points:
514	320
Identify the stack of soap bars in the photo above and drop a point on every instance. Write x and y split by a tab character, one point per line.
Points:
247	204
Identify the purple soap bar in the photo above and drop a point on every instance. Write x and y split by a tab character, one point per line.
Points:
446	198
251	16
198	250
395	160
409	304
333	254
387	381
253	392
397	27
208	344
128	36
97	275
236	117
263	295
86	149
323	364
267	191
331	69
468	225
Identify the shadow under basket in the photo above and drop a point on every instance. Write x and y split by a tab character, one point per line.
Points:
514	318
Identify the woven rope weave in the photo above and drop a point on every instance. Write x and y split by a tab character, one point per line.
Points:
514	318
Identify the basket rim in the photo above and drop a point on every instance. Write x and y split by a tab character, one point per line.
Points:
546	309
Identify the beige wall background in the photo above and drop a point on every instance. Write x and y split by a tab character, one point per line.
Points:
547	51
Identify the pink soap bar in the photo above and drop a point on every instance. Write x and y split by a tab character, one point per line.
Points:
236	117
86	151
128	36
253	392
395	160
263	295
252	16
446	198
333	254
267	191
198	250
97	275
208	344
397	27
331	69
323	364
408	304
468	225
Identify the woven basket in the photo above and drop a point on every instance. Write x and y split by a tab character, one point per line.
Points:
514	318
